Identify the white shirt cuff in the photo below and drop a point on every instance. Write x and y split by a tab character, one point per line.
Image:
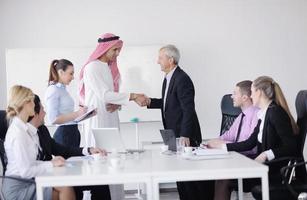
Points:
224	146
48	166
269	154
85	152
127	98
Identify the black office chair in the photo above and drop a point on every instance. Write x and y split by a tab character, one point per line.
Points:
229	113
294	175
301	110
297	189
3	124
3	158
287	190
3	130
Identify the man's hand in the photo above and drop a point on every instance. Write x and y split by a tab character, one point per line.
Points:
261	158
94	150
215	143
184	141
141	100
58	161
112	107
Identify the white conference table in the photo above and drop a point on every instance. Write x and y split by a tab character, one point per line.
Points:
166	169
153	168
88	172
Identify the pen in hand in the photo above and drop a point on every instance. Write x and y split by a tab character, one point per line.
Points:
83	106
82	110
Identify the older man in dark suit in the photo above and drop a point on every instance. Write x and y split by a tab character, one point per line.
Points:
50	147
178	113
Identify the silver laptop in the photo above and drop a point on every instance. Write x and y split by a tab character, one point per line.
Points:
169	138
110	139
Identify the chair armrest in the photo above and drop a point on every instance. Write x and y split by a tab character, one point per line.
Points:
19	179
282	159
283	171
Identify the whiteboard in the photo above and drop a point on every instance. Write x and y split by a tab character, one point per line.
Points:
138	66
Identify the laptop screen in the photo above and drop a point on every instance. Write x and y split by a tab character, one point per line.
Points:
169	138
109	139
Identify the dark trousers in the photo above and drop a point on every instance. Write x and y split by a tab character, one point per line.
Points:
196	190
98	192
68	135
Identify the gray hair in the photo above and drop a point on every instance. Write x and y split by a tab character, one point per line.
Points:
172	52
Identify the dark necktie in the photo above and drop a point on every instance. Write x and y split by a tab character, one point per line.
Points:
163	94
40	154
240	127
164	87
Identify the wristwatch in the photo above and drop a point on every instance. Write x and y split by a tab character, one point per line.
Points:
89	150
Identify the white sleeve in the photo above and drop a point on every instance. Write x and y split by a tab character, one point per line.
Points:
269	154
224	146
28	167
95	76
85	151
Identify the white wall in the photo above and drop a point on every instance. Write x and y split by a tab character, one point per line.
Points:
221	41
139	73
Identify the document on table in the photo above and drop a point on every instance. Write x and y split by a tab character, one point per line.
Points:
80	158
208	157
209	152
206	154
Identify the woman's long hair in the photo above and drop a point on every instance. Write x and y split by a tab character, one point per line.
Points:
55	66
273	91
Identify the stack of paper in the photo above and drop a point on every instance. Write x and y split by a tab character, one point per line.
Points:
79	158
206	154
210	152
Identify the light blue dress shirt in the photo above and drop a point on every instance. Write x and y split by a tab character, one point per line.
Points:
58	102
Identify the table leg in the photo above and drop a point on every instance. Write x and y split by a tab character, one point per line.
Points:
240	188
265	187
149	194
39	192
155	190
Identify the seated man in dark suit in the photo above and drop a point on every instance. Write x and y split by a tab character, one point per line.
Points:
50	147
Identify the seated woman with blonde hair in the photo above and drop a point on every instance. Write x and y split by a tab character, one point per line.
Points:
23	151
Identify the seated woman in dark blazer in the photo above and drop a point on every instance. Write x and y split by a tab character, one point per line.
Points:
274	134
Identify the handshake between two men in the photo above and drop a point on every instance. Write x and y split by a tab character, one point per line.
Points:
140	99
143	100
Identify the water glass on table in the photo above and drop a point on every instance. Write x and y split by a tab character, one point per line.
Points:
179	146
